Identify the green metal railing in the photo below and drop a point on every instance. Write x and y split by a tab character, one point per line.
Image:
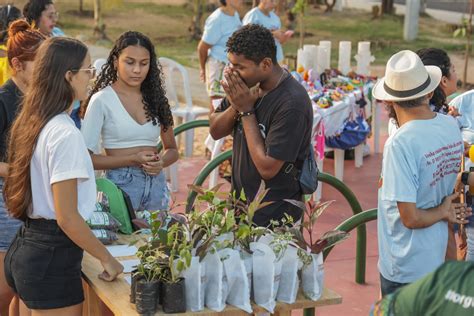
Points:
361	243
361	249
355	221
183	128
204	173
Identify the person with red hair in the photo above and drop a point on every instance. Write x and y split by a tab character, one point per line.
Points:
23	41
8	14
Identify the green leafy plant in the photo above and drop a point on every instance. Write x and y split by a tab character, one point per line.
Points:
312	211
247	231
299	9
212	216
151	262
179	252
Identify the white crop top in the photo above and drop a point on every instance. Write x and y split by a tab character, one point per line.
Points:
60	154
107	117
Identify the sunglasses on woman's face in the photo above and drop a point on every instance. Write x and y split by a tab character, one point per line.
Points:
91	71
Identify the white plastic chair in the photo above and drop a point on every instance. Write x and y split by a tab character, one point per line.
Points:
184	112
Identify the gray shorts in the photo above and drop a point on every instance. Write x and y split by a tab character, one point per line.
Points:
9	226
146	192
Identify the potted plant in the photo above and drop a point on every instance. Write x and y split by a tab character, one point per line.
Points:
311	249
145	279
178	250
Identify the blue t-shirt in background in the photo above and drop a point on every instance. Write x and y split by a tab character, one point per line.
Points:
217	30
420	163
464	104
271	22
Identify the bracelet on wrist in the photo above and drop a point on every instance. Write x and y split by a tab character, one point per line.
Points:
248	113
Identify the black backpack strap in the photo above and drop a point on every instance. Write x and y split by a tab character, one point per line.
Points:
291	169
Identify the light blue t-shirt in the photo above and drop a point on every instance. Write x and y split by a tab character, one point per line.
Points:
465	105
57	32
420	163
271	22
217	30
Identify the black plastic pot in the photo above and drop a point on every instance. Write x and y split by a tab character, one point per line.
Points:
133	286
174	297
146	297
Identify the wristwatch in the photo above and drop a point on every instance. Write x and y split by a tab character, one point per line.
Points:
465	177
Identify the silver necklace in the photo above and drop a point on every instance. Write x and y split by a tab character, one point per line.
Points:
283	72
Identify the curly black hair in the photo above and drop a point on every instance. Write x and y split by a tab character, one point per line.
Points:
155	102
33	9
8	14
437	57
254	42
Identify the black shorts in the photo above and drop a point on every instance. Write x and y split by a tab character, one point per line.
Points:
43	266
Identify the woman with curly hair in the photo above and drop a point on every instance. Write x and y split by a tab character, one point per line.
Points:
129	111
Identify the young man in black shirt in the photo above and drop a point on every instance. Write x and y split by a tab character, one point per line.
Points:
270	117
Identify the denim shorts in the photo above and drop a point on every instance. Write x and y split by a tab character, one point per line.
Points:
146	192
43	266
9	225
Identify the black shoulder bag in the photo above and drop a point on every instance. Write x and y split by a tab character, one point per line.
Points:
307	176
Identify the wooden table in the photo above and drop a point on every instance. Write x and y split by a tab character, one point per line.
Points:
116	296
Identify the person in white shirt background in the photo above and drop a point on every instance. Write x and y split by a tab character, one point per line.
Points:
265	15
415	200
127	114
51	186
218	28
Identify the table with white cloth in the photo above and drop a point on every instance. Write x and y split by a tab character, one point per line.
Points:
333	119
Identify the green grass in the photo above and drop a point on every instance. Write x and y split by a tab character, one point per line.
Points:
167	26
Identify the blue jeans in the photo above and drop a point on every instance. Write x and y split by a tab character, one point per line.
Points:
388	287
146	192
9	225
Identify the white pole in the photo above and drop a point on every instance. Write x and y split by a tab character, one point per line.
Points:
344	64
412	15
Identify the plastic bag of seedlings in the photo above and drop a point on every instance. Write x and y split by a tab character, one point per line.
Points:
238	293
289	282
106	237
312	277
103	220
266	275
215	287
102	202
195	285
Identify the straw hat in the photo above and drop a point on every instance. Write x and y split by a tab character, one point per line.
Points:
406	78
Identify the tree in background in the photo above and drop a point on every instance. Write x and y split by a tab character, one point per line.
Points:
387	7
299	9
99	26
465	30
195	29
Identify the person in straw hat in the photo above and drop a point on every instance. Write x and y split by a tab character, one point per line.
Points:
420	163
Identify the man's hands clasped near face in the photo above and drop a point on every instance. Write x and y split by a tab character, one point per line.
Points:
240	96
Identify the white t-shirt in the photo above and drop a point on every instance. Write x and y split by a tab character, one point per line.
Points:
107	117
465	105
61	154
420	164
